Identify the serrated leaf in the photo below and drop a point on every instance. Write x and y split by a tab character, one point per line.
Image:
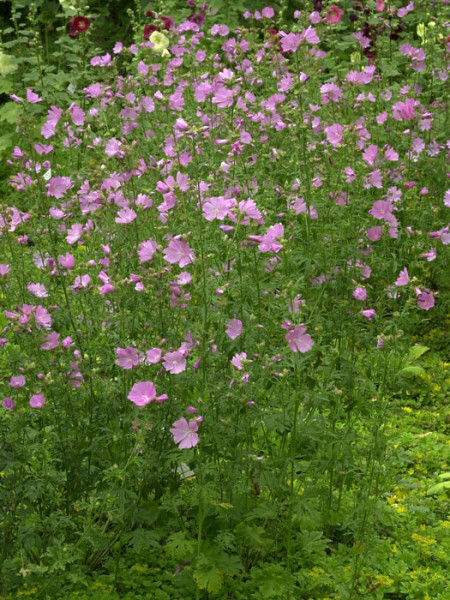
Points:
179	547
209	577
9	112
6	85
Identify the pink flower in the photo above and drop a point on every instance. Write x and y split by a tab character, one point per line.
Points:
127	357
32	97
179	252
234	328
74	233
113	148
223	97
217	207
67	261
270	240
290	42
237	359
51	341
37	289
142	393
4	270
146	250
403	278
370	154
334	134
425	300
299	340
369	314
8	403
184	433
268	12
125	216
310	35
17	381
360	293
174	362
58	186
334	14
42	318
382	209
404	110
154	355
37	401
374	233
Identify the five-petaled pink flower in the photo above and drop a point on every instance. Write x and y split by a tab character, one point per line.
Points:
334	134
127	357
146	250
334	14
142	393
174	362
299	340
179	252
234	328
403	278
185	433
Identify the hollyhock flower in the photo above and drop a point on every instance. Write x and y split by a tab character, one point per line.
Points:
360	293
168	23
127	357
234	328
330	92
8	403
425	300
310	35
403	278
223	97
299	340
125	216
369	314
78	25
37	401
404	110
17	381
112	148
237	359
370	154
77	115
185	433
38	290
51	341
174	362
268	12
58	186
160	43
334	14
4	270
142	393
334	134
217	207
179	252
32	97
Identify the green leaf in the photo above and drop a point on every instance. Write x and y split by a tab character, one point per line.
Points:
416	352
9	112
412	370
179	547
6	85
208	577
251	535
439	488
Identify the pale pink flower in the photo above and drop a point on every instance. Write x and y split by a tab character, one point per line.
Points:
374	233
17	381
74	233
32	97
4	270
37	401
234	328
360	293
8	403
299	340
58	186
174	362
382	209
403	278
270	241
146	250
217	207
369	314
237	359
334	14
142	393
370	154
179	252
112	148
310	35
37	289
334	134
425	300
184	433
42	318
290	42
125	216
153	355
67	261
51	341
127	357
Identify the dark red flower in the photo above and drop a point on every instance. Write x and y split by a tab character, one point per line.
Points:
168	23
148	30
78	25
150	13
